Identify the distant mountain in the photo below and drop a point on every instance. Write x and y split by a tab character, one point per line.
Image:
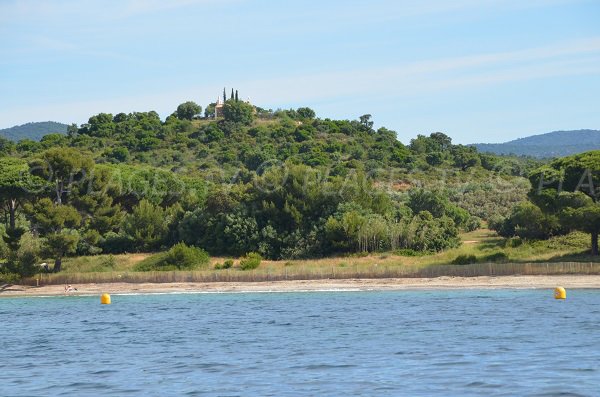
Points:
34	131
552	144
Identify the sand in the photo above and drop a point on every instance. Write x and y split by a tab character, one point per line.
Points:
507	282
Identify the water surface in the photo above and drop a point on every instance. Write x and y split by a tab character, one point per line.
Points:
413	343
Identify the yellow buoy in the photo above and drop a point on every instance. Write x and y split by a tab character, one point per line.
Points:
105	299
560	293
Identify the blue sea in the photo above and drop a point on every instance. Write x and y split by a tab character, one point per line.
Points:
401	343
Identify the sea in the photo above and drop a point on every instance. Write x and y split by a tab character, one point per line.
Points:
504	342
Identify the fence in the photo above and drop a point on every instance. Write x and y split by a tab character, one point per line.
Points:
320	272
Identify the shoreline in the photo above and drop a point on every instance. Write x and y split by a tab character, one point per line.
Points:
390	284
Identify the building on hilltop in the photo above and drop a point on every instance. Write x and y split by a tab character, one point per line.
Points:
220	104
219	108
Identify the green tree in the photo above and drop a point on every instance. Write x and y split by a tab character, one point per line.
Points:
147	225
6	146
209	112
62	167
366	122
306	113
57	224
101	125
530	222
238	112
585	219
187	110
465	157
16	185
569	188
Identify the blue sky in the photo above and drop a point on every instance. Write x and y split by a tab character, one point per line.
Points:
480	71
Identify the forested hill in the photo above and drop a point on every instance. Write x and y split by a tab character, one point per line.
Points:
34	131
552	144
285	184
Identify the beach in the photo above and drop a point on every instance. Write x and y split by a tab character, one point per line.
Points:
392	284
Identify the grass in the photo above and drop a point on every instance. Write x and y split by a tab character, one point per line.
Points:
559	255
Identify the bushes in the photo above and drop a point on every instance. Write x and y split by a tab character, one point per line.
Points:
496	257
179	257
250	261
464	260
228	264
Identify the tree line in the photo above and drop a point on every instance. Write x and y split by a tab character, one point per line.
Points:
283	183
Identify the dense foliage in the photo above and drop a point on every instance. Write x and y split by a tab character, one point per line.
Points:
178	257
282	184
565	196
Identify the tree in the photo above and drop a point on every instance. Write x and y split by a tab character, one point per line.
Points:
147	226
465	157
238	112
187	110
101	125
569	187
236	96
528	221
59	245
231	97
62	167
306	113
209	112
16	186
6	146
441	141
585	219
57	224
365	121
72	130
224	95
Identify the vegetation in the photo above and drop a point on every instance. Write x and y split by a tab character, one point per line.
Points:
250	261
278	184
558	255
565	196
178	257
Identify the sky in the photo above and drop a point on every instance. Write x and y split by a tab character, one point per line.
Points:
477	70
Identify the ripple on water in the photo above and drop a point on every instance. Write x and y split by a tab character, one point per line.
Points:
434	343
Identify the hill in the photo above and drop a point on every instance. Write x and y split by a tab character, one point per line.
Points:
284	184
34	131
552	144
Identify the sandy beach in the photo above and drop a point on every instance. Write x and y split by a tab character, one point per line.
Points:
519	282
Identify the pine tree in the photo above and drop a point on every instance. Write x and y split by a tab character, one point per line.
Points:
224	95
231	97
236	95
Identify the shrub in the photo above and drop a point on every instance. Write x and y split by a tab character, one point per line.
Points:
178	257
228	264
464	260
514	242
472	224
250	261
9	278
496	257
408	252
